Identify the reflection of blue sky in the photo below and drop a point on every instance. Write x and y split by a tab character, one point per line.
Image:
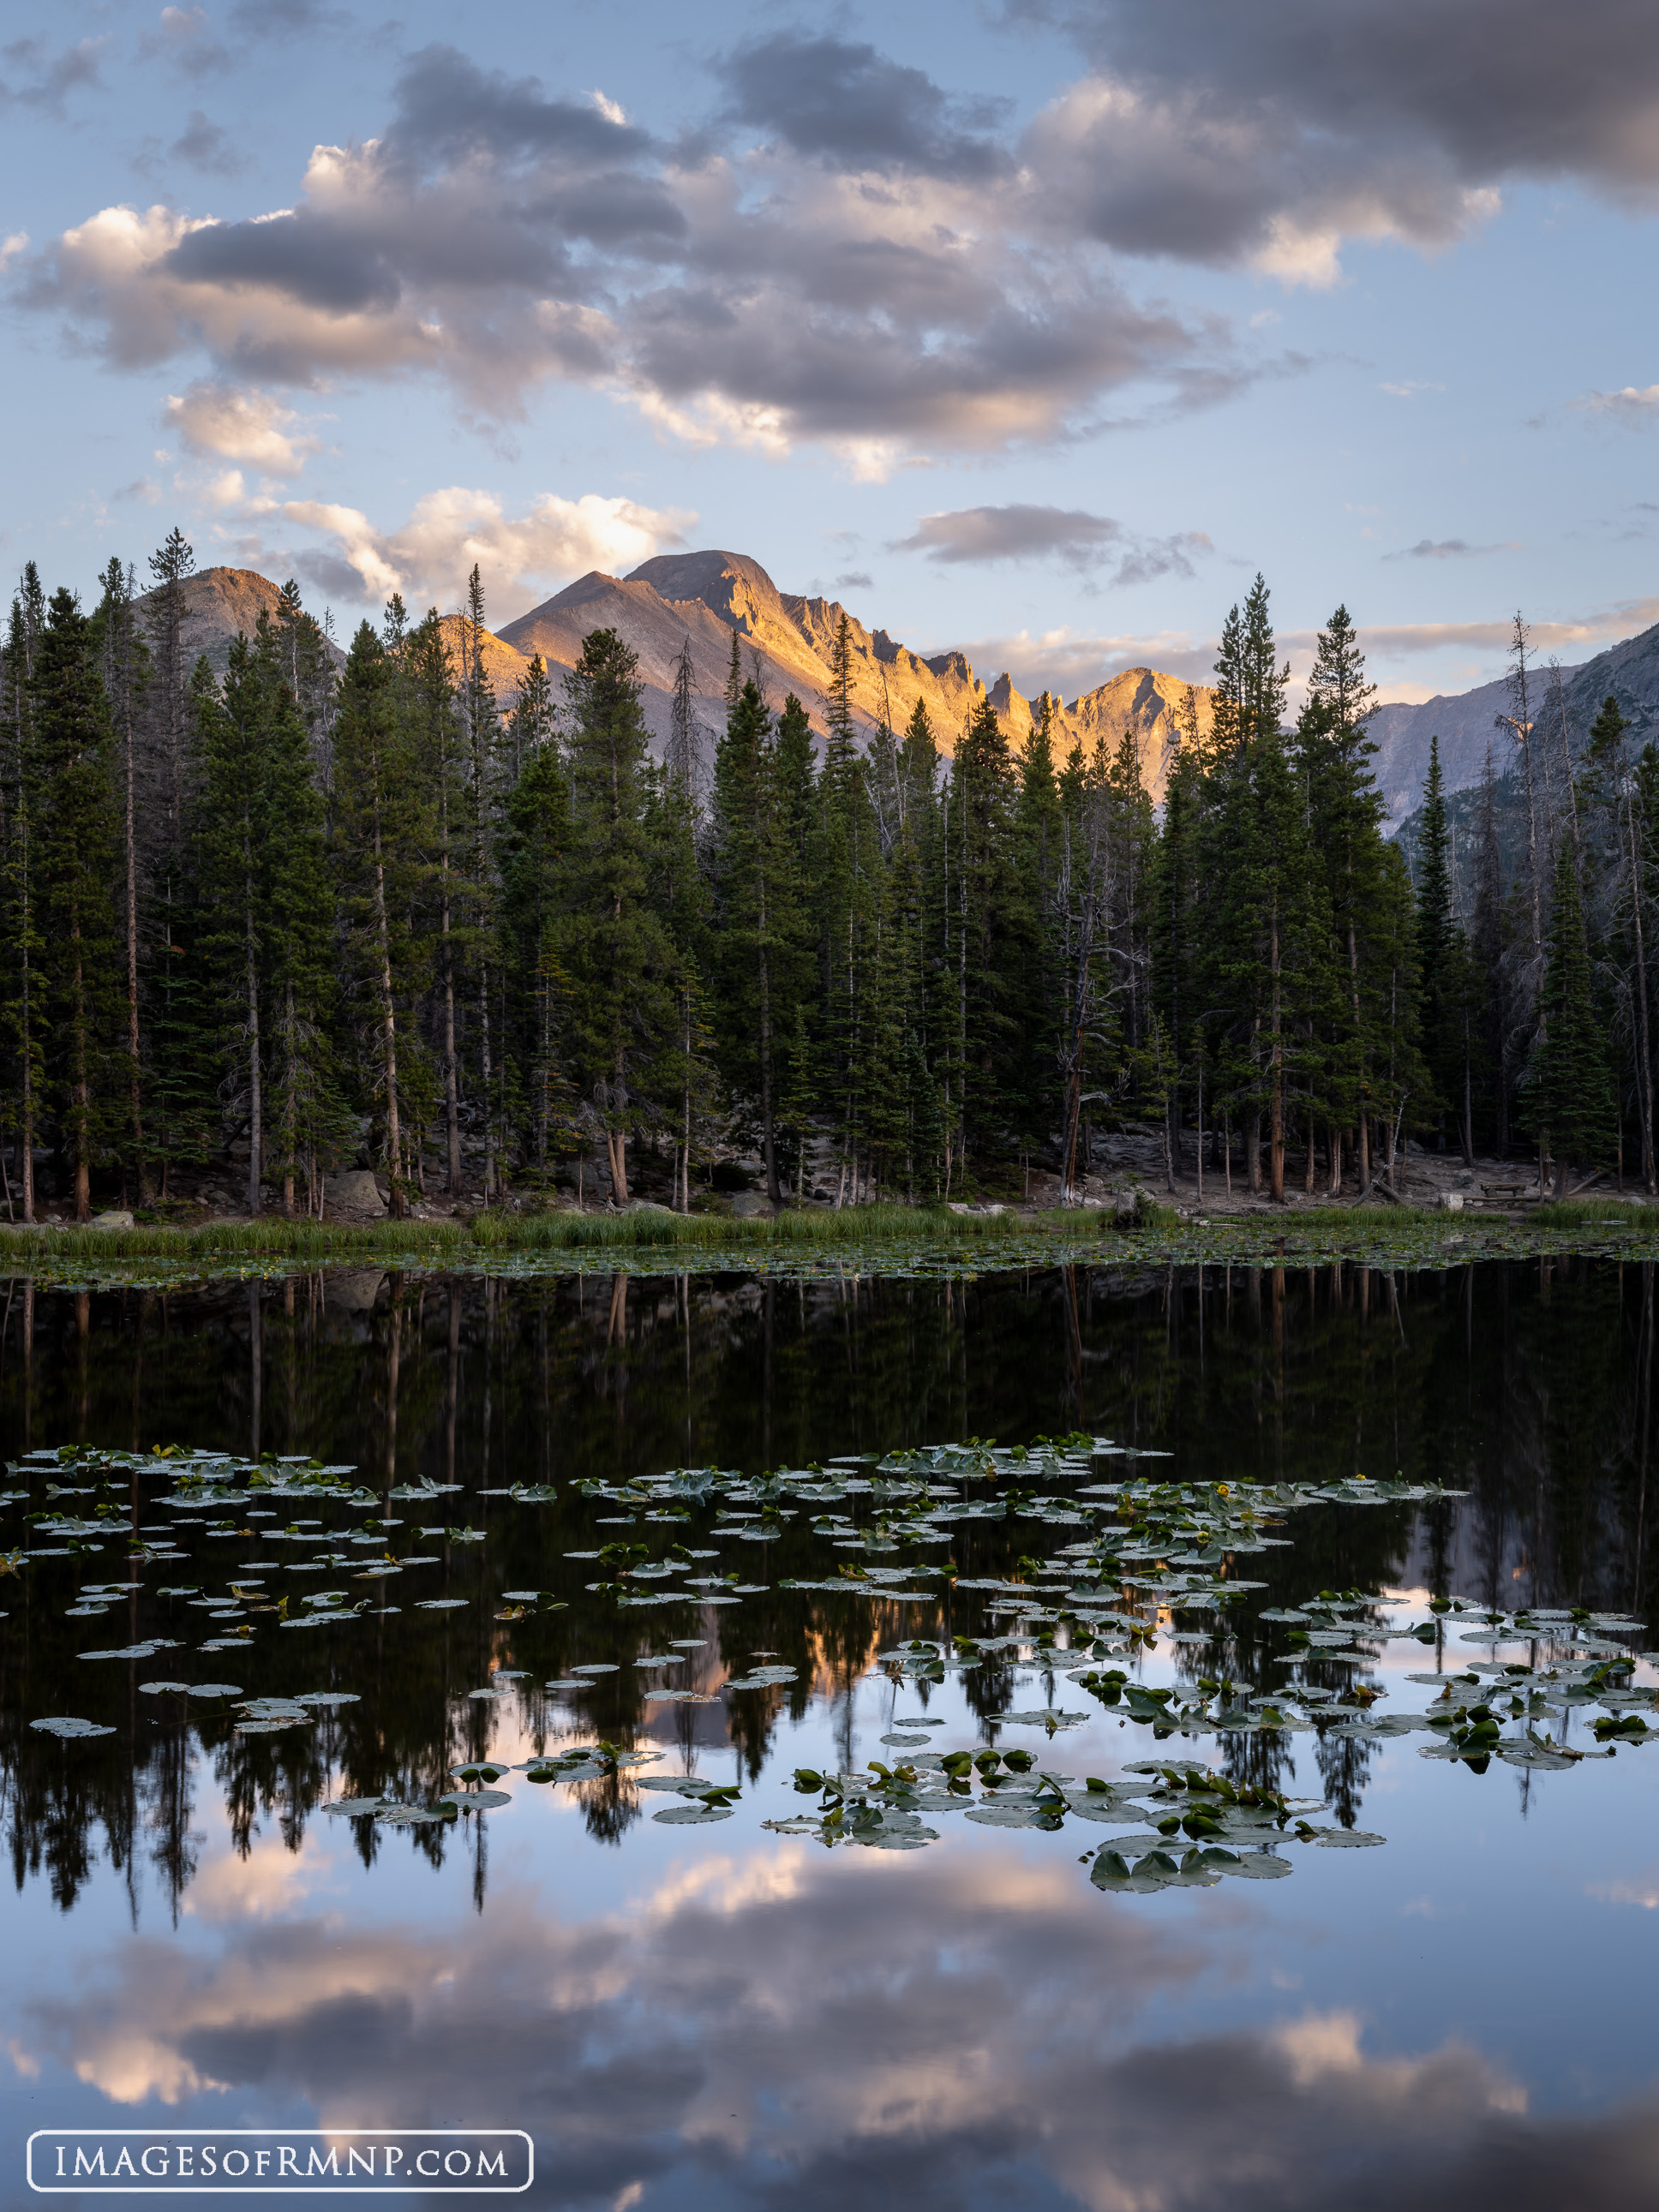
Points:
735	2018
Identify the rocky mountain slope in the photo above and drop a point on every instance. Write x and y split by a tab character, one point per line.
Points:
703	598
1465	722
222	603
788	640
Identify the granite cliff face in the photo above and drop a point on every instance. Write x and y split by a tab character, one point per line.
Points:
220	603
788	640
705	598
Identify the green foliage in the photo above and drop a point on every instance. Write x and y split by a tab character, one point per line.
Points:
391	918
1568	1090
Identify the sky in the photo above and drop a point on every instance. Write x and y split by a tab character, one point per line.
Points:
1032	329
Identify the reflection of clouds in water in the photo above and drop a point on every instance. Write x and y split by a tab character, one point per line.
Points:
785	2029
273	1878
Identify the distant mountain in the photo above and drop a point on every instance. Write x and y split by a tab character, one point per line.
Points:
220	604
706	599
1465	723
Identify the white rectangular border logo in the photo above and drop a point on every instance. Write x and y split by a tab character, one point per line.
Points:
323	2150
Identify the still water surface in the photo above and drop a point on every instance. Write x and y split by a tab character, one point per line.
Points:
712	2012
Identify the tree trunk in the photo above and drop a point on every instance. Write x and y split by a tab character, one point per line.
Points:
251	979
291	1100
80	1088
452	1076
1277	1095
490	1176
1645	1084
388	1031
135	1089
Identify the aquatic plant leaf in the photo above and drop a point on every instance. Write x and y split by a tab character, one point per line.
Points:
67	1727
689	1815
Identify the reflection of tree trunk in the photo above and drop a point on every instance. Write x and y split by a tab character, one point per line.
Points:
394	1350
256	1348
1073	1347
27	1346
1647	1419
452	1384
82	1376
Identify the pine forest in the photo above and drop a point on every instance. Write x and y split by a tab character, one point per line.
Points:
308	916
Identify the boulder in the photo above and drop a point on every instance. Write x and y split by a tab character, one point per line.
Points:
354	1191
114	1219
1450	1201
747	1205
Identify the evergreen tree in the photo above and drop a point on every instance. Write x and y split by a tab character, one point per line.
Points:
1568	1091
534	854
382	837
621	963
22	971
268	909
124	668
68	774
754	901
1436	930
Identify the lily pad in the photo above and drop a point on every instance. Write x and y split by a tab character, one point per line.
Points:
690	1815
67	1727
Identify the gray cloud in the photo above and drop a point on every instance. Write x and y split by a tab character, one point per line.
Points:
853	108
1449	549
285	19
206	147
855	580
42	79
500	236
1016	533
1214	135
186	42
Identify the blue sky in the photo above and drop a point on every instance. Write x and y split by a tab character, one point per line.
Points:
1034	330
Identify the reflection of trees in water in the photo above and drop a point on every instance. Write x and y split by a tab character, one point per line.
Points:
1528	1384
1345	1764
1261	1760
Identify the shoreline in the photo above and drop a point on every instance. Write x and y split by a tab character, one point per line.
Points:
864	1236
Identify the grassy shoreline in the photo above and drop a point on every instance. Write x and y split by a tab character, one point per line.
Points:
858	1233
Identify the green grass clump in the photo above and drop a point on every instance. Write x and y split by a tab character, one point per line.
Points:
1590	1213
322	1243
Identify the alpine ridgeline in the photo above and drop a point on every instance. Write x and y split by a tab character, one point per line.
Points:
785	641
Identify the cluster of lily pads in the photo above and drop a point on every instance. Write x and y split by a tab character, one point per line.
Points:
1146	1562
1183	1826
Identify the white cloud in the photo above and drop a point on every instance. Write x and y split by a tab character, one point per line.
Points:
1633	407
429	558
240	424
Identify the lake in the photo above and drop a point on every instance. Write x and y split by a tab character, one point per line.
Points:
1256	1665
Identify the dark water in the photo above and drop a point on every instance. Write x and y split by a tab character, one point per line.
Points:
727	2017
